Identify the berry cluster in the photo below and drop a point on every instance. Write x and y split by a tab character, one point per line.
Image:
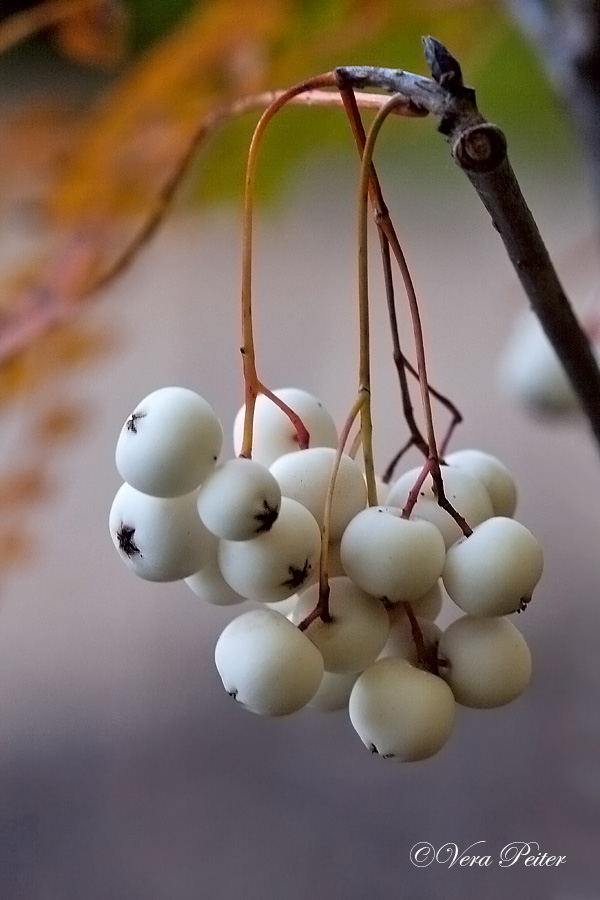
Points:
347	592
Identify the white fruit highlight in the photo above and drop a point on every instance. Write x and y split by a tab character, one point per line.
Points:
284	607
401	712
160	539
208	583
274	434
239	500
334	560
400	640
494	476
169	443
493	570
305	475
430	604
489	661
357	632
276	564
267	664
334	692
466	494
390	557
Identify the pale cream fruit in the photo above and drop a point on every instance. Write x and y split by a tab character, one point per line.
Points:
169	443
401	712
489	662
267	664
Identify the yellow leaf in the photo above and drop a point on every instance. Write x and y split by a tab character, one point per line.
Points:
96	36
137	135
137	143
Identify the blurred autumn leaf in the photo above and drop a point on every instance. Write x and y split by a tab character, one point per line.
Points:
92	32
122	161
224	50
147	20
102	176
97	35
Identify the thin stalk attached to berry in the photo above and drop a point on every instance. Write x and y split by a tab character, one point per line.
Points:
321	610
253	386
351	104
385	224
424	655
251	381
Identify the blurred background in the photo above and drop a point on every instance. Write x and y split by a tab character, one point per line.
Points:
125	772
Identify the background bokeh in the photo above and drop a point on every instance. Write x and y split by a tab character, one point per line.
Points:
125	771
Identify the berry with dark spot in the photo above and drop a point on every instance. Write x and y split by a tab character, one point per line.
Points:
126	543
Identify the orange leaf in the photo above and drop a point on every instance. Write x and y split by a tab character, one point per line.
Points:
137	143
15	547
59	423
48	14
22	487
97	36
137	135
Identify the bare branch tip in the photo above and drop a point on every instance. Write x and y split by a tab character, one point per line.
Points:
444	68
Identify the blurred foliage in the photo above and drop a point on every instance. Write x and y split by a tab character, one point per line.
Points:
100	176
96	175
151	19
205	53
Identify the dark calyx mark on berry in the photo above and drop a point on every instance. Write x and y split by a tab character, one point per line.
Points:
266	518
297	576
523	604
130	424
233	694
126	543
374	749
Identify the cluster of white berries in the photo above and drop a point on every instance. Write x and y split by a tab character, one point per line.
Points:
252	529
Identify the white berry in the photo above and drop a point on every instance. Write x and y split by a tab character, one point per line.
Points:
492	473
401	712
208	583
276	564
532	373
401	643
267	664
305	475
391	557
169	443
357	632
158	538
489	663
466	494
239	500
273	432
494	571
334	691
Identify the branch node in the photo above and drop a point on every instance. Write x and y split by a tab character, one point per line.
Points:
480	148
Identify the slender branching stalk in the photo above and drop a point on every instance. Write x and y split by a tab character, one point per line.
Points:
27	318
251	380
479	148
321	610
384	222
